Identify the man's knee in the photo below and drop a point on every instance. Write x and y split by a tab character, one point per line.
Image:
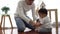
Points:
21	29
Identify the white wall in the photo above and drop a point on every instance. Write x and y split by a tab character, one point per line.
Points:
53	4
12	4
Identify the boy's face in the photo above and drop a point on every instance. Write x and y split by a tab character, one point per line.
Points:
42	15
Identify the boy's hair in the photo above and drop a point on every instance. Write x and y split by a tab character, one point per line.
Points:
43	11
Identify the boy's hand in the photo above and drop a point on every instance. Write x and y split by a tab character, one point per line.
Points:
38	24
32	22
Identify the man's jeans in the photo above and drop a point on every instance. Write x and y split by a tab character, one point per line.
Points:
21	24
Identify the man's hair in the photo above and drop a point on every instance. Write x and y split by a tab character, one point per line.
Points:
43	11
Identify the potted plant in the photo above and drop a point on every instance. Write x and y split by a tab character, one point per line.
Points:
5	9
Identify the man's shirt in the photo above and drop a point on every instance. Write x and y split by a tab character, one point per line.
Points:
23	8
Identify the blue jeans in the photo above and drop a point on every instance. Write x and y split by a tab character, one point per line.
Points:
21	24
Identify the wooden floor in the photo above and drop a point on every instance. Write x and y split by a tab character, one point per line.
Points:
31	32
15	31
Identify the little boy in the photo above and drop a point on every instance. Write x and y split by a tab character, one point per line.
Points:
44	20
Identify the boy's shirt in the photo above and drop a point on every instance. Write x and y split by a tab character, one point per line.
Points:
46	23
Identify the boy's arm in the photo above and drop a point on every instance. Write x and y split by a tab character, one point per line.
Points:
38	24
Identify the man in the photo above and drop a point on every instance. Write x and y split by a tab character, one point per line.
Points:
21	18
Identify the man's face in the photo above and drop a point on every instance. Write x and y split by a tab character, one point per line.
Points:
29	2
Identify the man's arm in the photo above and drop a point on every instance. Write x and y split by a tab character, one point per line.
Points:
34	13
20	12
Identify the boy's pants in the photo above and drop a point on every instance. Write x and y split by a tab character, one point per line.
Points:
45	30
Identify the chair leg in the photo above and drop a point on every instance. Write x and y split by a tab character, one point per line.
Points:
4	22
4	25
10	22
1	21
